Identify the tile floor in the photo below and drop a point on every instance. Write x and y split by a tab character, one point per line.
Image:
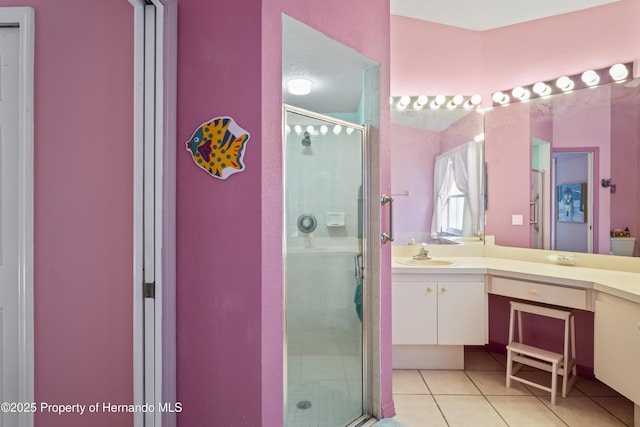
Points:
477	397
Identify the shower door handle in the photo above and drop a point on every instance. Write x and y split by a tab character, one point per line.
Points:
388	200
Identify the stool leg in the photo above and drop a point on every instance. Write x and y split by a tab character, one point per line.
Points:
520	339
509	353
509	363
573	343
554	382
566	362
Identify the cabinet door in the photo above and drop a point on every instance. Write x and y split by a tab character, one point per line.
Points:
617	348
414	313
462	313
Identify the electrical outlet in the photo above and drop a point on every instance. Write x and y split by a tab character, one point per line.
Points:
517	220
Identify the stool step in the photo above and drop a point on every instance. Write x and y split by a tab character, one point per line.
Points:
538	353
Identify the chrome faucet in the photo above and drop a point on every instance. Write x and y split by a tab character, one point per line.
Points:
423	254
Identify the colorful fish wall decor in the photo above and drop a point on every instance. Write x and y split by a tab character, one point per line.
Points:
217	147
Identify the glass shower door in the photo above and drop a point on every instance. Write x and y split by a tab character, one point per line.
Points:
323	168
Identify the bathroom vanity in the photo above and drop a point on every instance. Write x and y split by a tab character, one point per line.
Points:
439	308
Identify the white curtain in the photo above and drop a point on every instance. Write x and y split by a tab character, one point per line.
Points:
462	166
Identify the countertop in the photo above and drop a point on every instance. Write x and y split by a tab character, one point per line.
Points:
618	283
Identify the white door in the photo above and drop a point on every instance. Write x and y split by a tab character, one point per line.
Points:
9	202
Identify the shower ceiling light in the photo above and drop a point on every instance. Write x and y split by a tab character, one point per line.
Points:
299	86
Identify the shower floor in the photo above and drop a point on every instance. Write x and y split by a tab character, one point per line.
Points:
333	386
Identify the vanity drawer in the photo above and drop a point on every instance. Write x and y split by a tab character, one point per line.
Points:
540	292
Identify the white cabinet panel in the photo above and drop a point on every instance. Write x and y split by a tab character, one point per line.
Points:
462	313
617	347
414	313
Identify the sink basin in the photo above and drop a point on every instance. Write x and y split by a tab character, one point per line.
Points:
425	262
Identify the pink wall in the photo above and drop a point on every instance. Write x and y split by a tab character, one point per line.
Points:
83	207
229	272
508	158
413	159
429	58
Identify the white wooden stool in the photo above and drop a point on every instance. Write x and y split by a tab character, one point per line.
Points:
523	354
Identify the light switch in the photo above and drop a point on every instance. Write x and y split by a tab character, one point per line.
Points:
516	219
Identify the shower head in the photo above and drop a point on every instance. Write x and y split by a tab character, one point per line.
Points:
306	141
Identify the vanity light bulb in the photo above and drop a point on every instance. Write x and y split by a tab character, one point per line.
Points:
337	129
564	83
479	138
400	106
457	100
618	72
298	129
590	78
404	100
349	131
476	99
521	93
500	98
440	99
310	129
422	99
324	129
541	89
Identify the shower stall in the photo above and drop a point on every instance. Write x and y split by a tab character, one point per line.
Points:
323	242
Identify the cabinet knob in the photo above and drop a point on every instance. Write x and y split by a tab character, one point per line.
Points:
429	289
639	326
534	292
444	289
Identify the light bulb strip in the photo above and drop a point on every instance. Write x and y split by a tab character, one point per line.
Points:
564	84
423	102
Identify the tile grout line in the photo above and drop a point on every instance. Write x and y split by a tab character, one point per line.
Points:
433	398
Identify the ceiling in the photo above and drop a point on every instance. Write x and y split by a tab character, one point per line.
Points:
481	15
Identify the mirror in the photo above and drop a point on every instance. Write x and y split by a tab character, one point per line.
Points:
581	146
449	140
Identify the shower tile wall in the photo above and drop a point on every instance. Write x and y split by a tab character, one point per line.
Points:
317	170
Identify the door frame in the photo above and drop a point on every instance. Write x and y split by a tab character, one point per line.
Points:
154	149
593	217
23	18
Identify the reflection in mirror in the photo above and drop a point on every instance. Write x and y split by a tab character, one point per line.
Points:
583	146
437	173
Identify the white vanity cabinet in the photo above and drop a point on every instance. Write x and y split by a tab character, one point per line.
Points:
617	345
433	317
